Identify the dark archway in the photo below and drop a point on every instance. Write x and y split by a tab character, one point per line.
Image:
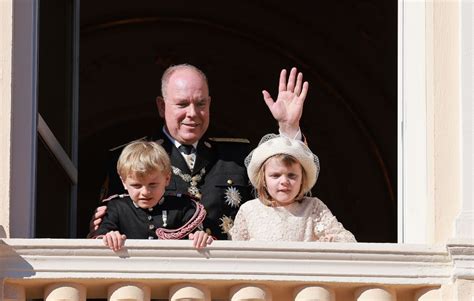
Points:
347	51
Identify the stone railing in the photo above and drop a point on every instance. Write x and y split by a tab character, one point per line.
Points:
77	269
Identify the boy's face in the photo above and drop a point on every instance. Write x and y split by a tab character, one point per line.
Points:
283	182
146	191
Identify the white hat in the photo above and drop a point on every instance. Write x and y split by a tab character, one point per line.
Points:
271	145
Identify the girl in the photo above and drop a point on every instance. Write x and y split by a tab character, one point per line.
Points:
283	171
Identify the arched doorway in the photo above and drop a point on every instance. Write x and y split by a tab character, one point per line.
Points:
347	51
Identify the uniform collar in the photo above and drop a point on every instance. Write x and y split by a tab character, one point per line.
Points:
176	143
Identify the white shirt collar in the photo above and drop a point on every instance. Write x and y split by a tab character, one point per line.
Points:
176	143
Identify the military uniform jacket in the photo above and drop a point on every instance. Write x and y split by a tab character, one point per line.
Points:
223	183
141	223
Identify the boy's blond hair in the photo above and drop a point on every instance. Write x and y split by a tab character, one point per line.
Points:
260	185
141	158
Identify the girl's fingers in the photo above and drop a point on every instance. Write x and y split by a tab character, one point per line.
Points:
299	83
291	80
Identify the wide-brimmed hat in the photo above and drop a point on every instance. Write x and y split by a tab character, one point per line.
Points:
271	145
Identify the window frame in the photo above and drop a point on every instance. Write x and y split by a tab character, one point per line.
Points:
415	212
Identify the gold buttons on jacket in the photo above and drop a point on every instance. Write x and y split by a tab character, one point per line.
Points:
229	181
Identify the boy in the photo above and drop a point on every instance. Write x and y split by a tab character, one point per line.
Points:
145	213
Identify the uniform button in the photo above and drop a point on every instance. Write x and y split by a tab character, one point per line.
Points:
151	227
229	181
149	217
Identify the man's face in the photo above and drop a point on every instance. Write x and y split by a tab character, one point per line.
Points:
185	106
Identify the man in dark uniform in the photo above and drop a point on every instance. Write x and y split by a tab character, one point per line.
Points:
211	170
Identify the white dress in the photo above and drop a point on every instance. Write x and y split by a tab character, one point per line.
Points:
308	220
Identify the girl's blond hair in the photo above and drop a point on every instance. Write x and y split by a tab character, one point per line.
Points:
141	158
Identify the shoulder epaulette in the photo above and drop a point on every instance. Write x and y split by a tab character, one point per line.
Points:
125	144
115	196
238	140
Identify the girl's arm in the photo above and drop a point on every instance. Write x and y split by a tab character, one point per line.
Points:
327	227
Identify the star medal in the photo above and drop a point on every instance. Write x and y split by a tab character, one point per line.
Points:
233	197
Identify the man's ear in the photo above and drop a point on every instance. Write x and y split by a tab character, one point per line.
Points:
160	104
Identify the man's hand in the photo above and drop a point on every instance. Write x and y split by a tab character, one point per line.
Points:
288	108
114	240
200	239
96	220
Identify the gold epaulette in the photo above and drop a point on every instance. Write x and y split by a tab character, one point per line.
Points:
125	144
238	140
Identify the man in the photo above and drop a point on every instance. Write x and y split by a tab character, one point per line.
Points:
212	170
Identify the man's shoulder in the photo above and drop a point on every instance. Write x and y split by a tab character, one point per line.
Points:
228	140
122	146
116	200
228	146
119	147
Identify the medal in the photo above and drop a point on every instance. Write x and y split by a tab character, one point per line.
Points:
192	180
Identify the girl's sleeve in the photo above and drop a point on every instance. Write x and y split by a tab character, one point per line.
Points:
239	230
327	227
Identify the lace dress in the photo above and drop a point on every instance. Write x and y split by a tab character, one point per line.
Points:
308	220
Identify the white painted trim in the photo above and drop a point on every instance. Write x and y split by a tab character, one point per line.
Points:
24	96
356	263
464	227
413	219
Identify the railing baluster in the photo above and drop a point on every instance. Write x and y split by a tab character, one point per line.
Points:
428	294
129	292
65	292
250	292
314	293
375	294
189	292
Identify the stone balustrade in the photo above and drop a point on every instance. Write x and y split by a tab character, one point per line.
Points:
79	269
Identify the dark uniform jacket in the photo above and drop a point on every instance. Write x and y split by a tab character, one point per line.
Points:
223	186
139	223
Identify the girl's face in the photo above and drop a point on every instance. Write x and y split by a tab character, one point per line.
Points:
283	182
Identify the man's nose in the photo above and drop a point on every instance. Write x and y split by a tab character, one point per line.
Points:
192	111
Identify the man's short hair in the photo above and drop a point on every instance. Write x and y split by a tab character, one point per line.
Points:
172	69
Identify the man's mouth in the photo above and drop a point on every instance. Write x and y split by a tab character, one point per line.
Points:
192	125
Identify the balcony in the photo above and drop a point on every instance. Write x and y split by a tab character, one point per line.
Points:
78	269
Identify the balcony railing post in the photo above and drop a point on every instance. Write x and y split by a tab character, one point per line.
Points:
129	292
375	294
13	292
250	292
65	291
428	294
191	292
310	293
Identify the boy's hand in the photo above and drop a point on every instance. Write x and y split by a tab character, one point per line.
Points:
114	240
200	239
